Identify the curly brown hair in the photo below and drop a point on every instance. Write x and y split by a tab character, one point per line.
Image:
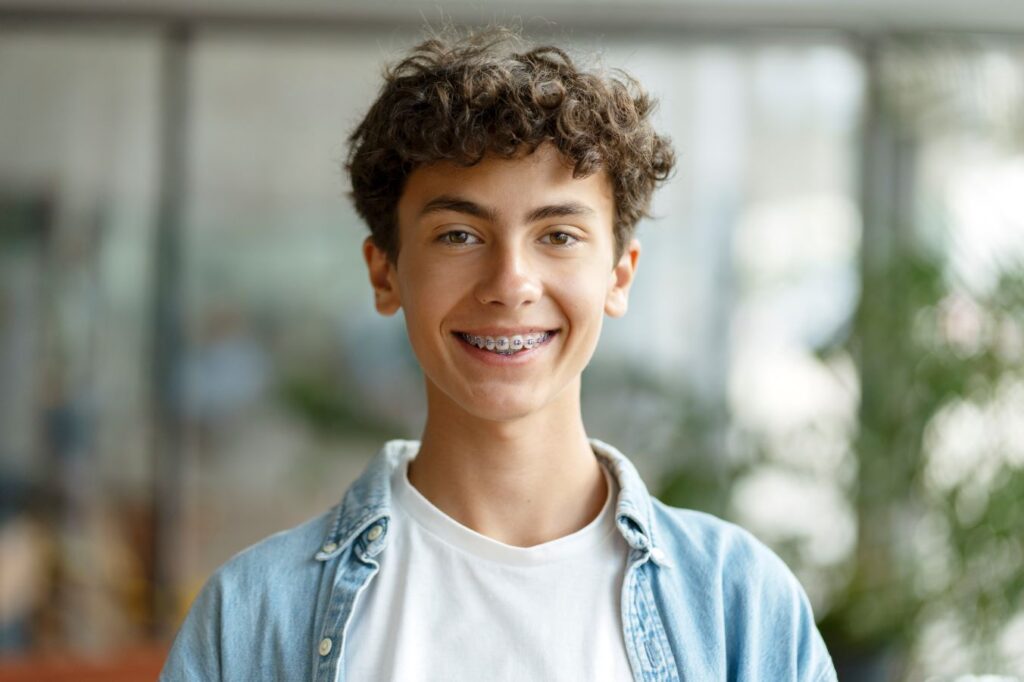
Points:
458	99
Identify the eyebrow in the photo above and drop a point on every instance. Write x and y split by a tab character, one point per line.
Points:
447	202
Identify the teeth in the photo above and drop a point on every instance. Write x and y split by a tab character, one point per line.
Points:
507	345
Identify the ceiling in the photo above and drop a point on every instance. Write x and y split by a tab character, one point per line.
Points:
1004	17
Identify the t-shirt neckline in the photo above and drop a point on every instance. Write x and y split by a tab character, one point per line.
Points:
423	512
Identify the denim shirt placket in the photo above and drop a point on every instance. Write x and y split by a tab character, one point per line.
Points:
349	571
647	645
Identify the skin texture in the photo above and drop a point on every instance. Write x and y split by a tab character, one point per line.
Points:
504	450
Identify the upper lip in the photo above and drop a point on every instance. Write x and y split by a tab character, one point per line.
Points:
505	331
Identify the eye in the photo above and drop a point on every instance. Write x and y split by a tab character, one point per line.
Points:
456	238
562	239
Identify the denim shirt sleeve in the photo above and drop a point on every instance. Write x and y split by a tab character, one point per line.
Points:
787	626
196	653
254	618
733	599
783	635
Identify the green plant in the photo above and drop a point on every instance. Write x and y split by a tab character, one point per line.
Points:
913	365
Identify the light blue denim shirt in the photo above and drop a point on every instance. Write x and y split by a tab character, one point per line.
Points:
702	599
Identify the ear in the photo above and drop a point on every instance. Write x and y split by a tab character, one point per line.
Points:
382	278
617	299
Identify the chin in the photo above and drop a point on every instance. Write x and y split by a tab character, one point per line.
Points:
501	411
494	402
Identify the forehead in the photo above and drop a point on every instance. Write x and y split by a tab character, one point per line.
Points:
508	185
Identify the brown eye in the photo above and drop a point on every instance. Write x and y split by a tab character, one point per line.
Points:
562	239
456	237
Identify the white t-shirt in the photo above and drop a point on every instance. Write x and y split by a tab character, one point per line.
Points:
450	604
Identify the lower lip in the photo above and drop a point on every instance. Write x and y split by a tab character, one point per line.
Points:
520	358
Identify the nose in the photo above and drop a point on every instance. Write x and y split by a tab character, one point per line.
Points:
510	279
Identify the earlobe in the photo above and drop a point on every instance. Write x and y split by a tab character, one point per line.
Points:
617	299
381	271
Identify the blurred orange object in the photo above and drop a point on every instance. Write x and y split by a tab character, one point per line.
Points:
132	665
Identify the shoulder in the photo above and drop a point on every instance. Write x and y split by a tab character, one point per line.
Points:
276	556
733	553
764	616
273	581
262	598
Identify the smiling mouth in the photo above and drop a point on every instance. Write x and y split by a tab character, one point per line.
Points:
508	345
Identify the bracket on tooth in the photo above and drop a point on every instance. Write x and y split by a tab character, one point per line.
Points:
506	346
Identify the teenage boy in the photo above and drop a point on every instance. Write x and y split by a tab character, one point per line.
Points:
502	186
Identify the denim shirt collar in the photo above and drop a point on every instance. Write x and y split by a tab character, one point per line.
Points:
368	501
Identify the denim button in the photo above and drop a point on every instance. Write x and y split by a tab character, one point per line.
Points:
325	646
330	547
374	533
658	554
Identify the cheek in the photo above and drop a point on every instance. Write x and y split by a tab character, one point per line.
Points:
581	299
429	294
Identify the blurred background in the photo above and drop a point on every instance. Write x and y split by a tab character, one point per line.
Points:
825	342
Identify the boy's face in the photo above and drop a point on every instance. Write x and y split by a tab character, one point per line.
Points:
505	247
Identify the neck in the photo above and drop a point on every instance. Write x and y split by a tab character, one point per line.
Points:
522	482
